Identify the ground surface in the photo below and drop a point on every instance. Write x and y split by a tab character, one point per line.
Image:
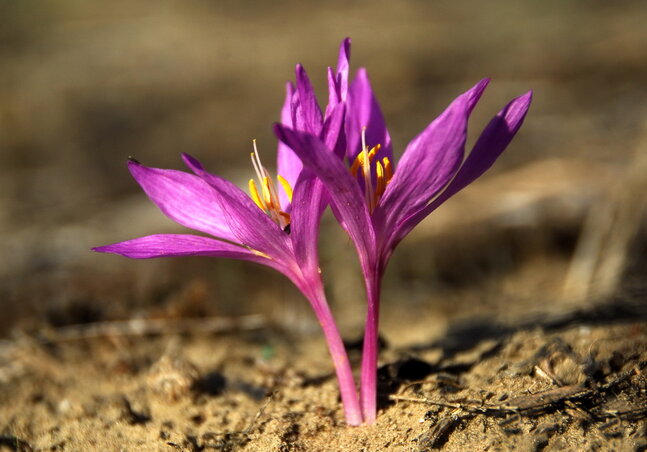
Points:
514	318
579	387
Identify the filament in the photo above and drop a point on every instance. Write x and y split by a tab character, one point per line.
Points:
373	191
268	199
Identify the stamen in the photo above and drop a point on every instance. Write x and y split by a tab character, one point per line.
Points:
381	182
388	169
273	193
363	138
356	164
255	196
268	199
256	161
373	151
361	157
286	186
368	183
383	172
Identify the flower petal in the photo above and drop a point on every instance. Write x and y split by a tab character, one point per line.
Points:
475	93
344	192
184	198
493	141
338	79
310	119
428	163
287	163
332	132
334	95
172	245
251	226
363	110
343	64
308	205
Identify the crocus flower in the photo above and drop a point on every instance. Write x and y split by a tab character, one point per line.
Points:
272	227
377	203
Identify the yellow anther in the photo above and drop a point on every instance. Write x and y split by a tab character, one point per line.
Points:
381	182
286	186
388	169
373	151
253	191
374	188
268	199
368	158
357	163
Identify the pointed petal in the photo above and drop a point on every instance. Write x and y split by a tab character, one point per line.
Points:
251	226
287	163
286	109
310	119
428	163
363	110
184	198
338	79
492	142
494	139
475	93
173	245
343	64
343	190
332	133
334	95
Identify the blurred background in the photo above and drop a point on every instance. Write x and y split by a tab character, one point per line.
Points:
558	225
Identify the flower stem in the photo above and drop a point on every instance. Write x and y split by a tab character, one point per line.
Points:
368	378
347	387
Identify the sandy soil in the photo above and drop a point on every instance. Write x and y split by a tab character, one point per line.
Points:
548	387
513	319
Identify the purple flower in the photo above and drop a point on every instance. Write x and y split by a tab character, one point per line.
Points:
379	204
270	226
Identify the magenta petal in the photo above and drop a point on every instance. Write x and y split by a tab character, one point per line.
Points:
492	142
343	64
288	164
334	96
251	226
338	79
475	93
172	245
310	119
332	133
342	188
307	207
428	163
184	198
363	110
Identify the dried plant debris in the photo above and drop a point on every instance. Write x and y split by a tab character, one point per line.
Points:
609	398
